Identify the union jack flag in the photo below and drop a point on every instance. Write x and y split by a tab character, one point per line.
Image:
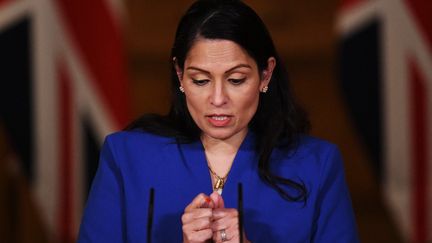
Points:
386	57
63	88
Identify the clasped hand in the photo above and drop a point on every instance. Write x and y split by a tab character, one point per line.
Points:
206	218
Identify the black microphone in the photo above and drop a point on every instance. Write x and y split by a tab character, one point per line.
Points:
150	215
240	209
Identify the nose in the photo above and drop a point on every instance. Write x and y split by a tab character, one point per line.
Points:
218	95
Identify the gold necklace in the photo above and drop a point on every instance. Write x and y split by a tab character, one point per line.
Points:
220	181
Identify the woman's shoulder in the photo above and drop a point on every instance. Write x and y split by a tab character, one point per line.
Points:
137	138
313	145
307	145
312	161
310	154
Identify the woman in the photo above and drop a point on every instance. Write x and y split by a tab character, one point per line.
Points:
232	120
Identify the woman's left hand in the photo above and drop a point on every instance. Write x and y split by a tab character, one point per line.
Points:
225	224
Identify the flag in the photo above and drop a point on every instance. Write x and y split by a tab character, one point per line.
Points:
386	75
63	89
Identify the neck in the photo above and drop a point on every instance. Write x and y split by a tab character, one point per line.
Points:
220	155
223	146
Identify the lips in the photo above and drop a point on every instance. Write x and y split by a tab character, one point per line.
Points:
219	120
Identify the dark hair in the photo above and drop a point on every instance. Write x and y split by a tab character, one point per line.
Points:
278	122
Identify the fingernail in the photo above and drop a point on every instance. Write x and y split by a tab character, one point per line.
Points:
206	203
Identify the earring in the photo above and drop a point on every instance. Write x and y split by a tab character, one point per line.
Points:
181	89
264	90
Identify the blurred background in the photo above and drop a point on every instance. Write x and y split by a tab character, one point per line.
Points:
73	71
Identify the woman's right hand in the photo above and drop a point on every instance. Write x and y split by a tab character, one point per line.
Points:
196	220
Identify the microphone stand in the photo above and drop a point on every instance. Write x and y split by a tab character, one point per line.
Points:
150	215
240	209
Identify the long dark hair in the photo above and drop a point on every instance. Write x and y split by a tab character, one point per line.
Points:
278	122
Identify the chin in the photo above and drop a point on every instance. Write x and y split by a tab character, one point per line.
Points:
223	133
219	133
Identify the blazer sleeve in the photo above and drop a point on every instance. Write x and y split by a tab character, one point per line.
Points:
103	216
334	220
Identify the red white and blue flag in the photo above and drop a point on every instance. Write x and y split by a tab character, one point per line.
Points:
63	89
386	60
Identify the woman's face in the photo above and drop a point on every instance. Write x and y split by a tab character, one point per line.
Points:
222	84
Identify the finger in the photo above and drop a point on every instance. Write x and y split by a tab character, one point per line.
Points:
197	225
219	213
231	238
224	223
235	239
217	200
198	236
195	214
231	235
208	203
199	201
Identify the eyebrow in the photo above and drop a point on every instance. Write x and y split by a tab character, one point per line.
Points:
229	70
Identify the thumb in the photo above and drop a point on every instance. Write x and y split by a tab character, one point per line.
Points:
217	200
200	201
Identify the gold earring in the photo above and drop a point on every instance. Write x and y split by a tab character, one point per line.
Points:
181	89
264	90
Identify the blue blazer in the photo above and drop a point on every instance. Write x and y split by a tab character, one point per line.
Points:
133	162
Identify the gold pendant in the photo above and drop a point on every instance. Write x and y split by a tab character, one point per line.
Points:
219	183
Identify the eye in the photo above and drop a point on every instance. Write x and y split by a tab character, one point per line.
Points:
200	82
237	81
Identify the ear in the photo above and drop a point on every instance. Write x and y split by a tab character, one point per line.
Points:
179	71
268	72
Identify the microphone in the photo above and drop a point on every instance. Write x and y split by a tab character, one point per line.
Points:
240	209
150	215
